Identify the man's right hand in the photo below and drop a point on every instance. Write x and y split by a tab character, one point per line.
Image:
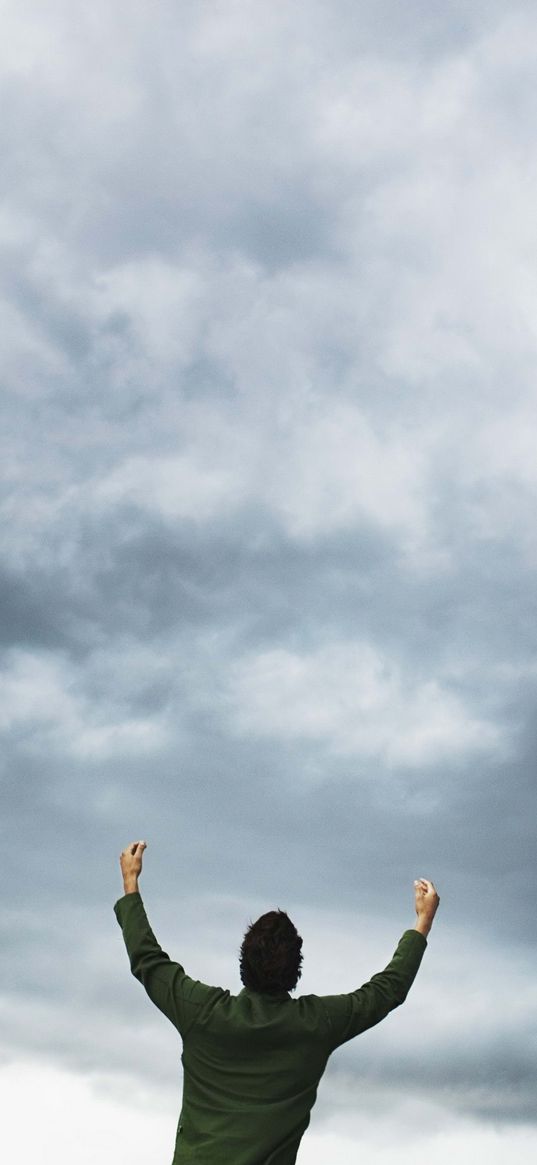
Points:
426	905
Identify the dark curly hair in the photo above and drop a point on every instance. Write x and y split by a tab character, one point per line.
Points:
270	955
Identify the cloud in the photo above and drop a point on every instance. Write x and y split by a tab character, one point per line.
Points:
338	472
121	1119
74	1115
358	702
174	488
42	700
269	540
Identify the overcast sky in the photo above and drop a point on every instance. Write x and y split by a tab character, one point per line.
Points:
268	449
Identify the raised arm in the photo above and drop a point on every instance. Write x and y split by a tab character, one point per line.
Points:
358	1010
180	998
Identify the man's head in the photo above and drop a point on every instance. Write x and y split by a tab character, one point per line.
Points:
270	957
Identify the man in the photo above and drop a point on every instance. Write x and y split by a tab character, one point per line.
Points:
252	1062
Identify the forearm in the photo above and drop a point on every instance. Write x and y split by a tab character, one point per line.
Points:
392	985
144	951
361	1009
164	980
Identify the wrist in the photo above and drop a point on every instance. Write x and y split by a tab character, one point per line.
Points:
423	926
130	885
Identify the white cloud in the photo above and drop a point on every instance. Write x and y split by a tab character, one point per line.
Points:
336	471
420	1131
161	300
330	472
87	1119
505	449
54	707
357	702
174	487
74	1119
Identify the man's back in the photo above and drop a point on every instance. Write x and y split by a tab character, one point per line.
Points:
252	1064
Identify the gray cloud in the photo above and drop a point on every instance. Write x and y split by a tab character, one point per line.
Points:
268	494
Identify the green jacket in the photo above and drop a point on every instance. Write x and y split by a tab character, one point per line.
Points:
252	1062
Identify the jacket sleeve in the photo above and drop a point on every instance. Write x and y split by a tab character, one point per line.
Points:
180	998
350	1014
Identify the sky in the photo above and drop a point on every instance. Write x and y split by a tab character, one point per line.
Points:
269	553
